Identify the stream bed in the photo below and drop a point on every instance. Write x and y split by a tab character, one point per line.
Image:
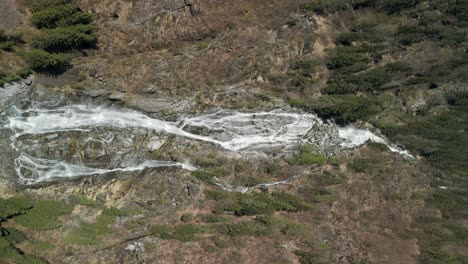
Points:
70	139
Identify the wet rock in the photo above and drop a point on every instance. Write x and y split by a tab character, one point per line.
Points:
117	96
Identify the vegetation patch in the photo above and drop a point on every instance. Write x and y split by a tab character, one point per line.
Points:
342	108
309	155
183	233
90	233
44	215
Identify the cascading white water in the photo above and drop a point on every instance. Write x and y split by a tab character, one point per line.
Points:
231	130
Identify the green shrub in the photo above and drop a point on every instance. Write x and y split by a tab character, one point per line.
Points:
371	80
82	200
398	66
13	235
213	218
348	38
66	38
49	17
437	256
44	215
395	6
343	108
203	175
39	5
304	66
30	259
114	212
264	203
323	6
40	60
252	204
183	233
216	195
250	228
7	45
308	257
342	59
366	164
287	202
13	206
308	156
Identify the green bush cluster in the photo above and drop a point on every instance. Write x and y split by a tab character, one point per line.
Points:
366	164
183	233
66	38
348	38
9	237
342	108
12	77
323	6
308	257
8	41
367	81
264	203
309	155
13	206
41	60
44	215
64	27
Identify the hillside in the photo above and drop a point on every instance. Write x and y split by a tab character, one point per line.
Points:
227	87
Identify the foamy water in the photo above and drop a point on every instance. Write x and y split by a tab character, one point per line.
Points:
230	130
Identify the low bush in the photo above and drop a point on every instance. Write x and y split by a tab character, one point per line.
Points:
398	66
346	59
44	215
39	5
216	195
7	45
49	17
213	218
348	38
66	38
366	164
13	235
83	200
183	233
323	6
308	257
308	155
13	206
343	108
250	228
395	6
264	203
40	60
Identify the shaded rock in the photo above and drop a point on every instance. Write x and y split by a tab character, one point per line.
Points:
96	92
155	105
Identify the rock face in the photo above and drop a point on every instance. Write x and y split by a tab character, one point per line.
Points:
182	47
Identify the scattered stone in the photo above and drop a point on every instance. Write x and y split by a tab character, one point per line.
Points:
28	81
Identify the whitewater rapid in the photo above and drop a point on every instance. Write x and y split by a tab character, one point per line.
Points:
231	130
